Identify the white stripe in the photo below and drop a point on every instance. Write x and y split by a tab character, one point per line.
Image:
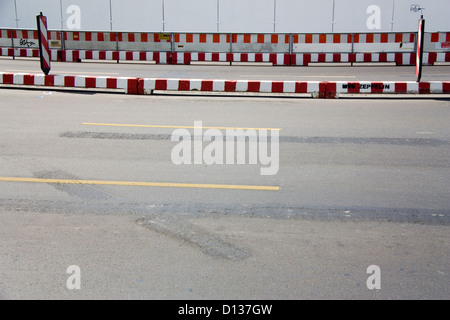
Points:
80	82
265	86
219	85
59	81
242	86
196	84
289	86
122	83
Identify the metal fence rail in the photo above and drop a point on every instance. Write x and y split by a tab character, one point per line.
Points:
184	48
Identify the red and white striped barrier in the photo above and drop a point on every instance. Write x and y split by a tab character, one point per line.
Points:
128	85
146	86
183	48
334	89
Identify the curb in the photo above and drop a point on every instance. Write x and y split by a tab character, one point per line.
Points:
146	86
127	84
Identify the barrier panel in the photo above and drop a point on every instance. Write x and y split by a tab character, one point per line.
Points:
183	48
146	86
128	85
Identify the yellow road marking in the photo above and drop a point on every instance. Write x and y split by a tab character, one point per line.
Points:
142	184
173	127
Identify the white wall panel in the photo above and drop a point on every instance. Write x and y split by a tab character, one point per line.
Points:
7	13
238	16
246	16
304	17
95	14
436	13
352	16
137	15
190	15
27	10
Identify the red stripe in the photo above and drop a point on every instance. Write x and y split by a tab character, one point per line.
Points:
69	81
322	57
254	86
401	87
306	59
278	86
432	57
207	85
91	82
230	86
301	87
323	38
424	88
161	84
337	38
259	57
377	87
435	37
399	59
49	81
75	55
201	56
133	86
184	85
8	78
446	87
353	87
327	90
28	79
156	57
187	58
352	57
111	83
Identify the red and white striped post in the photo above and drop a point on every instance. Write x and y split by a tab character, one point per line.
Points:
419	50
43	43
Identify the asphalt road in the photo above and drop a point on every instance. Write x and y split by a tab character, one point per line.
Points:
360	183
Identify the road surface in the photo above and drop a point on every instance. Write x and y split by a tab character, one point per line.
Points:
360	182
